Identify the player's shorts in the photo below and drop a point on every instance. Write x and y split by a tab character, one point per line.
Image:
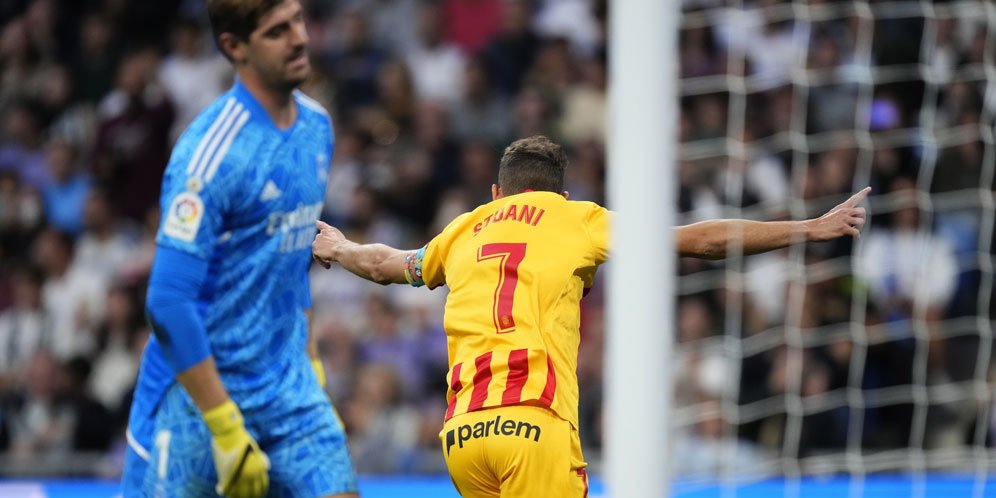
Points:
307	450
136	464
520	451
141	428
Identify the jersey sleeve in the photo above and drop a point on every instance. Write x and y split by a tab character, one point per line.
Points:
193	209
598	222
431	259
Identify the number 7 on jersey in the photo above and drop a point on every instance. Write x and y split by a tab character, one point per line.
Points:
509	255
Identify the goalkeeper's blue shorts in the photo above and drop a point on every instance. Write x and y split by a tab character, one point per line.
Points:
136	464
307	451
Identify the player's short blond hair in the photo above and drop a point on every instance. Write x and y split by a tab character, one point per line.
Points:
238	17
533	163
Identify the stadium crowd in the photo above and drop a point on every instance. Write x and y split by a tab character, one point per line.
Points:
424	95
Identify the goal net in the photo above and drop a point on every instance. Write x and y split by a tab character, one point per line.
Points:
848	357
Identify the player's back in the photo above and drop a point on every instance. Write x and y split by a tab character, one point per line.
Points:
517	269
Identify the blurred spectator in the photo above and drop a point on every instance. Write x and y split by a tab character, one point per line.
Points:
960	167
534	114
478	171
42	424
472	23
66	195
392	346
381	428
21	150
511	53
391	21
586	174
97	59
20	61
70	119
90	428
107	245
771	47
193	74
436	65
480	113
338	350
346	174
833	102
25	328
585	111
433	135
554	70
396	101
116	365
20	211
698	53
705	450
72	297
424	457
355	65
911	272
570	19
132	144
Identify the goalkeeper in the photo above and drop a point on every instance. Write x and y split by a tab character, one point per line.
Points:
517	269
229	398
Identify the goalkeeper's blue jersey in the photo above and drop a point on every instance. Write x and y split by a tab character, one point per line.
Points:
244	195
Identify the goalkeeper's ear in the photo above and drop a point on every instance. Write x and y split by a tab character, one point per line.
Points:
496	192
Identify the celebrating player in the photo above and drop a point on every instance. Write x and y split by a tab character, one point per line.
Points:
229	399
517	268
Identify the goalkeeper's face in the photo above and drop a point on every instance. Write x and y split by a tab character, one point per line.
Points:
277	50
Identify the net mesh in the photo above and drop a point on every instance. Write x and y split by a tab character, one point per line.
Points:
858	357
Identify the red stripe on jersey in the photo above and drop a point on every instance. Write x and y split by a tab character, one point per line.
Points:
583	474
518	372
551	384
455	386
482	378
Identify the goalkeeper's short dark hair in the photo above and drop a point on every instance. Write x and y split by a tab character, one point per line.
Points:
238	17
534	163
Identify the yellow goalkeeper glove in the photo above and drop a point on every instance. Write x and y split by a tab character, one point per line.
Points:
242	467
316	365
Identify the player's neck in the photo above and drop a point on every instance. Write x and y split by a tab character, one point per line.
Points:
278	104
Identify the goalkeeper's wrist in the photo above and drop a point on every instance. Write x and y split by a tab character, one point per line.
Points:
224	418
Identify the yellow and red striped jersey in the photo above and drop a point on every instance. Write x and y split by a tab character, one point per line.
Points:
517	268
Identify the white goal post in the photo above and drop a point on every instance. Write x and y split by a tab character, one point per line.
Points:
641	190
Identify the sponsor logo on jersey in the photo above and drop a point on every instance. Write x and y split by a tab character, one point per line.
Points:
184	217
495	427
296	228
303	216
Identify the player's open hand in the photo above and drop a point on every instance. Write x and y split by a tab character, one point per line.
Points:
846	218
326	243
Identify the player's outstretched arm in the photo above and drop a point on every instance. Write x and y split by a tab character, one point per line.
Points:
375	262
710	239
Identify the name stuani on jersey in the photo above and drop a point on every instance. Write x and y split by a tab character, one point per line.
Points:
522	213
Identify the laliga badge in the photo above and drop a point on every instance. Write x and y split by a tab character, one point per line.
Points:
184	217
194	184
